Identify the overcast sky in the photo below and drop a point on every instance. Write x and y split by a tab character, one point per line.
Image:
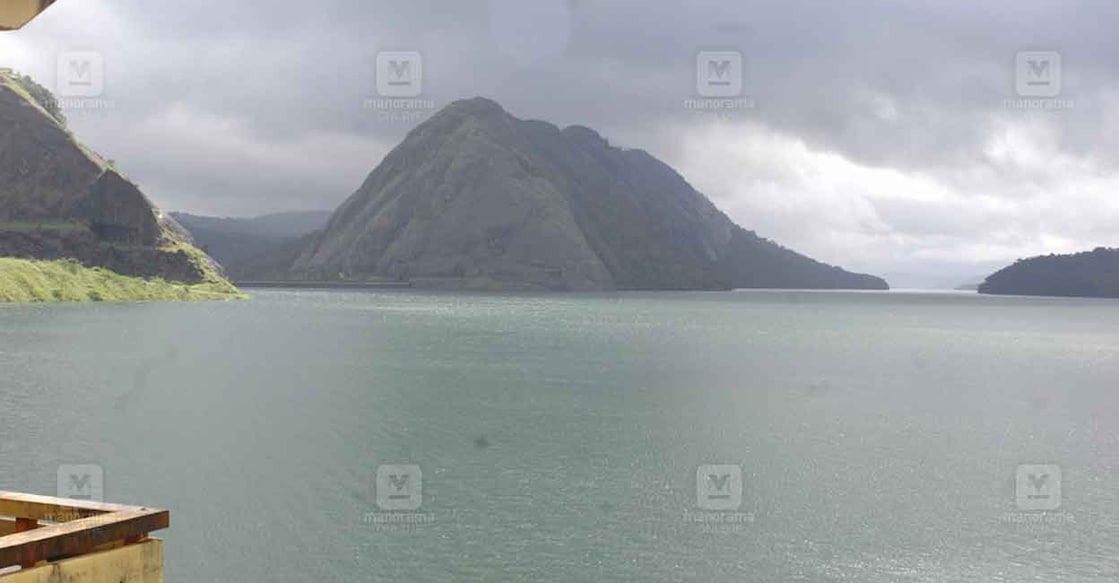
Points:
885	136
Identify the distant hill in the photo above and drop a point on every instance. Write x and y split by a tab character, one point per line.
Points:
270	226
1089	274
59	200
253	245
476	198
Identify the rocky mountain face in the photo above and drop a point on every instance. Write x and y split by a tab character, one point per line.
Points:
475	198
60	200
1092	274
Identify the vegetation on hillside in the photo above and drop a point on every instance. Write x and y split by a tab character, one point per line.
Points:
1089	274
23	280
73	227
262	247
35	93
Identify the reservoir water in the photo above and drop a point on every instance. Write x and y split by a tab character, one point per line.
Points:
742	436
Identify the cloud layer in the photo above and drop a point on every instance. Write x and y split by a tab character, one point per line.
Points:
885	136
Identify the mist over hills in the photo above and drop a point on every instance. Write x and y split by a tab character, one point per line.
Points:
247	246
270	226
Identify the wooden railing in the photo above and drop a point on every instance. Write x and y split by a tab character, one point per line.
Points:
45	539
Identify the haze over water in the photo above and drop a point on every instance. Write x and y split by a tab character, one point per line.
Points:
559	436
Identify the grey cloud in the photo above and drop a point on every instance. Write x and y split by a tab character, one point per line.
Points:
916	87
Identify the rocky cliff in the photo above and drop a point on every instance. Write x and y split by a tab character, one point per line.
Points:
476	198
60	200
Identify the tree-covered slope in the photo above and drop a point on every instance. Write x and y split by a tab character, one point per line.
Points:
262	247
1092	274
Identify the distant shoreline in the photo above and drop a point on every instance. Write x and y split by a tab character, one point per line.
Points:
324	284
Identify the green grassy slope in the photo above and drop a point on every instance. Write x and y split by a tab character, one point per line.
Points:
55	192
23	280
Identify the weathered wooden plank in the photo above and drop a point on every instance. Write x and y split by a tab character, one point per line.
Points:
24	525
138	563
69	539
20	505
7	526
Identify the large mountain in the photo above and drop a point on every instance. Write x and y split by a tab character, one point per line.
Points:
476	198
60	200
1089	274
